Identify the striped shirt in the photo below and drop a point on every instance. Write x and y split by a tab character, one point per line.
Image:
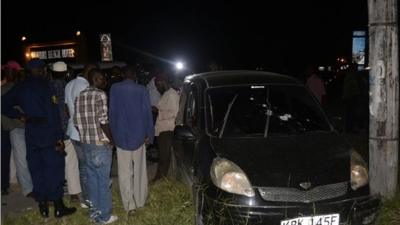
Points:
90	112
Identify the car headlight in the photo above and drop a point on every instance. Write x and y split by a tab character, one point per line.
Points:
229	177
359	171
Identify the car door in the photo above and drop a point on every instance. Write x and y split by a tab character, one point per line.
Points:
191	121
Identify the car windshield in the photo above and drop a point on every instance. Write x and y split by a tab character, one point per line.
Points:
263	110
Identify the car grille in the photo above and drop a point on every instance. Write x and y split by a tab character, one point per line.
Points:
279	194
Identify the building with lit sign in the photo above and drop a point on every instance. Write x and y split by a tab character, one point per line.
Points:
68	51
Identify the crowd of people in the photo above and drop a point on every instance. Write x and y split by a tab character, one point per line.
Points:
349	91
63	131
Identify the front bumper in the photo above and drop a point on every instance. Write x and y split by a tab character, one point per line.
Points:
360	210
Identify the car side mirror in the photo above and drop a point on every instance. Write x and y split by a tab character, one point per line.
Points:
183	132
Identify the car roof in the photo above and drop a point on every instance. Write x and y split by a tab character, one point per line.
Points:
241	77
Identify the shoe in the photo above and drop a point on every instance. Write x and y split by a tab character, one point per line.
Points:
111	220
74	198
44	209
84	205
61	210
131	212
30	195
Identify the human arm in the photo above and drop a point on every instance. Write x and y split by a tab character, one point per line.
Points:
8	101
102	115
66	111
147	112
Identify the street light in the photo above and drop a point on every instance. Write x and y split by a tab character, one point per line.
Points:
23	38
179	66
78	33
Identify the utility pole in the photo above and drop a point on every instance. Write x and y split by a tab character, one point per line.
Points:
384	97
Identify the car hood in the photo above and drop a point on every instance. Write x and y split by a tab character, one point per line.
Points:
286	161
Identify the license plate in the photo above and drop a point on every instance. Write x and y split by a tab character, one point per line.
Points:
331	219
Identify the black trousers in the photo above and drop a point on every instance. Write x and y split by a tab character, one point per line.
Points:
47	167
164	159
5	159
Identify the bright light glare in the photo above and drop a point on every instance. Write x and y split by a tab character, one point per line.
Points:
179	65
78	33
23	38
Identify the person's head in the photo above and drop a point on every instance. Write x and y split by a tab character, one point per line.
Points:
176	83
97	78
213	66
129	72
88	67
311	70
10	71
116	71
13	65
59	70
161	83
36	67
3	77
70	73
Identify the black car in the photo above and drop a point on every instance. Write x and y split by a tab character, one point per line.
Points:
256	148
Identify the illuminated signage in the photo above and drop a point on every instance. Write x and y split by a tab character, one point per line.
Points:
359	39
106	48
53	53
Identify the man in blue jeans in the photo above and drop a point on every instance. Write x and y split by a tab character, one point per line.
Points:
91	119
72	90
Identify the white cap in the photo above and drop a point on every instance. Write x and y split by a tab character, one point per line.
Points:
59	66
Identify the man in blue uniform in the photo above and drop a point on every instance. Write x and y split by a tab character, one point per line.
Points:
43	134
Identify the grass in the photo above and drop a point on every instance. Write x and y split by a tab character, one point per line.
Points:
390	211
169	203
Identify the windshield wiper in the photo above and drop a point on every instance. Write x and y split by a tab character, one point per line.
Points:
269	114
226	115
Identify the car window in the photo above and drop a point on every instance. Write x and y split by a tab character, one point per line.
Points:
263	110
191	112
180	117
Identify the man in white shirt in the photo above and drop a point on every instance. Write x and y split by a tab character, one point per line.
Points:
153	92
72	90
168	107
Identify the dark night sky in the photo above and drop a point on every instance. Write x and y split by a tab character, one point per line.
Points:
283	36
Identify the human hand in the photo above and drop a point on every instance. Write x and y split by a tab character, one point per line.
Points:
60	146
146	141
23	119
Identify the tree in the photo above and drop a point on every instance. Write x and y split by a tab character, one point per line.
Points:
384	96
